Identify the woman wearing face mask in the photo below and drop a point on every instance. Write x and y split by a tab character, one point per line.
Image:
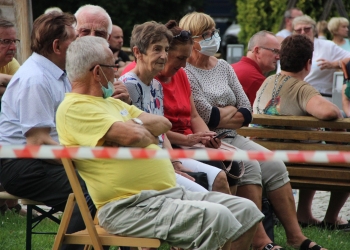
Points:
223	105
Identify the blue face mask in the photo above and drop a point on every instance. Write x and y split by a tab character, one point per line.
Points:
107	92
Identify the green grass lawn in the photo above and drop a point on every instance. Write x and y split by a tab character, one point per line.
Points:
12	235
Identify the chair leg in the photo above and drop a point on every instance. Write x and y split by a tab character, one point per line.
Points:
29	227
88	247
67	214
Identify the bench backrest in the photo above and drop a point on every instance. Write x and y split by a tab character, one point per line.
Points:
339	139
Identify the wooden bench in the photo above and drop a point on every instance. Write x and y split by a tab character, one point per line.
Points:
31	222
319	176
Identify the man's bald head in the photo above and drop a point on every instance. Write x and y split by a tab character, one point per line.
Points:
117	39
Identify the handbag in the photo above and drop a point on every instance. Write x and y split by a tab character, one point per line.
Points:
225	165
201	178
228	164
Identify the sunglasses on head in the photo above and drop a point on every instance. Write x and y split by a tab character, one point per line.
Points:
184	35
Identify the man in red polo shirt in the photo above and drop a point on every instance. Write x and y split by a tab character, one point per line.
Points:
262	57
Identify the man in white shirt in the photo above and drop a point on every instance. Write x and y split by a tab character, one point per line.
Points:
28	117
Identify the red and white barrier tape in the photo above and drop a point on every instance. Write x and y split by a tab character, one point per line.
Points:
53	152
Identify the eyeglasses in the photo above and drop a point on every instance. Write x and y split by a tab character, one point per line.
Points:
305	29
115	67
87	32
7	42
207	36
184	35
275	51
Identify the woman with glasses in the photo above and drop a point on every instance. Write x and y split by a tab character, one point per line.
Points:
223	105
151	47
326	58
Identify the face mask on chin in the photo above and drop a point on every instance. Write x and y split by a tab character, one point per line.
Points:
209	48
107	92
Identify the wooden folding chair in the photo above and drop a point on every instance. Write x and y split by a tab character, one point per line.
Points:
31	222
93	235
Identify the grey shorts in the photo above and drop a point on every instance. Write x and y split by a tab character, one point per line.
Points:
271	174
182	218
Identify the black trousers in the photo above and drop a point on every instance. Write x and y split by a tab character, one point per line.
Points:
45	182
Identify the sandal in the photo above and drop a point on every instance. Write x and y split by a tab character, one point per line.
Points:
3	209
305	224
18	210
271	245
306	243
333	226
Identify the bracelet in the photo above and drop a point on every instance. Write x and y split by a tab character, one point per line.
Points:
176	161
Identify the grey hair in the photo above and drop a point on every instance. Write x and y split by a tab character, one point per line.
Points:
48	10
304	19
95	9
6	24
84	53
288	13
257	38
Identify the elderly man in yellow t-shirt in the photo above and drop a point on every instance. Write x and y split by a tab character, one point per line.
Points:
140	197
8	43
8	66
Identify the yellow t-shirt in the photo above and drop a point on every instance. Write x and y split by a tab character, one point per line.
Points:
10	68
84	120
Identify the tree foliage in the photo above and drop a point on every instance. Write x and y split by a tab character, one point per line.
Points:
256	15
127	13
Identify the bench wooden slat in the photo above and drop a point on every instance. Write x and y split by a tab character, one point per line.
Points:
316	184
300	121
318	172
342	166
337	136
6	196
302	146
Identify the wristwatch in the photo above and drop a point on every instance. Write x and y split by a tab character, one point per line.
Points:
137	121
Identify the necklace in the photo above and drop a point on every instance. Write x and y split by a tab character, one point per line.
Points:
274	91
